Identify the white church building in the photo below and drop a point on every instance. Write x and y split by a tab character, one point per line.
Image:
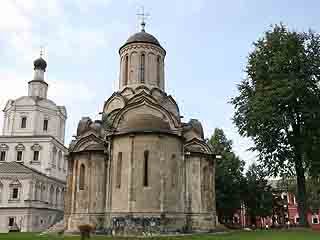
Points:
33	169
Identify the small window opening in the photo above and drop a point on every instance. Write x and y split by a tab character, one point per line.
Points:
19	156
11	221
119	169
15	193
2	156
23	122
45	125
142	68
315	220
158	70
126	70
82	177
36	156
146	166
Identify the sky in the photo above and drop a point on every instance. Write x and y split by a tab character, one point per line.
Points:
207	44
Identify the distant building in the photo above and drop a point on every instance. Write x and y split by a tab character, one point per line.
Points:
32	165
285	212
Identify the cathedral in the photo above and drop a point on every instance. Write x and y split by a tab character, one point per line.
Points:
140	167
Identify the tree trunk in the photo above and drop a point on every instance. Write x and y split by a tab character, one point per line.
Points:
301	192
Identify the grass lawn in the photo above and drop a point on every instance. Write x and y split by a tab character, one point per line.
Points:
255	235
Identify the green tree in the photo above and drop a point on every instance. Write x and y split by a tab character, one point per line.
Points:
258	197
278	105
229	177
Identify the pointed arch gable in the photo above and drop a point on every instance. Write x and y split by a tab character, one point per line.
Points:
141	88
157	93
142	95
89	142
196	145
116	101
127	91
154	108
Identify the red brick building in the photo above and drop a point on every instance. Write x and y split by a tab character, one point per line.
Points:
285	211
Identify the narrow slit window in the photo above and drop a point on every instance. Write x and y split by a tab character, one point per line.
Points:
82	177
119	170
142	68
23	122
45	125
158	70
174	171
19	156
36	156
2	156
126	70
145	169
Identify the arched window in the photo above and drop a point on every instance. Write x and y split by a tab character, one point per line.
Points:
174	173
57	197
142	68
23	122
64	165
36	148
3	152
145	169
158	70
51	197
19	155
119	169
54	157
37	191
82	177
126	70
43	193
59	160
206	178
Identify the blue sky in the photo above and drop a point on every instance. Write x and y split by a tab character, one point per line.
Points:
207	42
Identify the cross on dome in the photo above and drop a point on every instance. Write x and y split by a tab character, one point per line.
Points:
143	16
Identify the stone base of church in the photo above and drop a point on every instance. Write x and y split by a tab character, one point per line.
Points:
142	223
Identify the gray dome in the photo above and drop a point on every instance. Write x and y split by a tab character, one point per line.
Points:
142	37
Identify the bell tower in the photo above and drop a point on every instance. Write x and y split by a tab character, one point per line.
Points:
142	61
38	87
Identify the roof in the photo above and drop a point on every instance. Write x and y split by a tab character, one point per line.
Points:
144	122
14	167
40	63
142	37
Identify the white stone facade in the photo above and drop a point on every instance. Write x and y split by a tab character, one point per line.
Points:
51	154
33	200
33	138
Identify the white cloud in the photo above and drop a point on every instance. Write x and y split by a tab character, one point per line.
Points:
87	6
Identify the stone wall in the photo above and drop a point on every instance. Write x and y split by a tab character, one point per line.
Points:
164	192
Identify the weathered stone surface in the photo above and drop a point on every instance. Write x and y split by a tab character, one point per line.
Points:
146	171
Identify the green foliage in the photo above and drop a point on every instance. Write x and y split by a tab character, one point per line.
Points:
229	177
278	105
258	196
